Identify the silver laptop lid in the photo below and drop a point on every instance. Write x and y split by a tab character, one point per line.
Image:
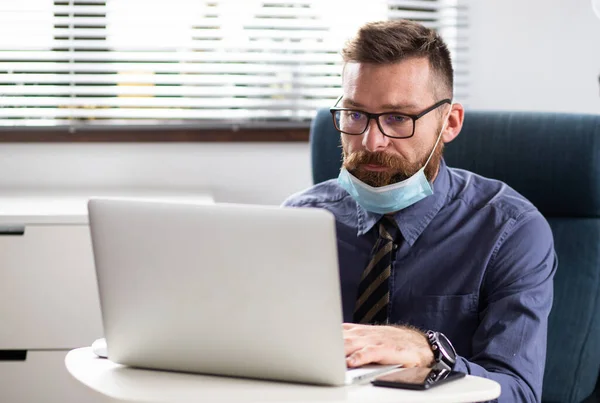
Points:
236	290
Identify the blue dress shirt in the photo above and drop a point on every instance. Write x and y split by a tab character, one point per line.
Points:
476	262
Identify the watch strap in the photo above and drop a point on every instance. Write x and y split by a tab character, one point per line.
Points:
444	354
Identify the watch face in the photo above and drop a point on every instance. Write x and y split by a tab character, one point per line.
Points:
446	346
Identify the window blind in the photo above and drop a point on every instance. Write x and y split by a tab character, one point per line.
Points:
207	63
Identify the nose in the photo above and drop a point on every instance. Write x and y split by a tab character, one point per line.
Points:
373	139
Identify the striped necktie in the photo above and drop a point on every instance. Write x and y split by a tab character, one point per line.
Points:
373	289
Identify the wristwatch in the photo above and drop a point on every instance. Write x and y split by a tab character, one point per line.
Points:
444	353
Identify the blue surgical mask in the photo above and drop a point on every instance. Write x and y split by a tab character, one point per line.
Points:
394	197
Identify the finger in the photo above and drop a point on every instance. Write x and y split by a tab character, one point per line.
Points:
385	355
357	339
360	337
367	355
353	343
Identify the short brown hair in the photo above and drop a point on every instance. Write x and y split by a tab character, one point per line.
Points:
385	42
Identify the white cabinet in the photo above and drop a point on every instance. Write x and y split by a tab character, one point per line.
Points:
48	295
42	378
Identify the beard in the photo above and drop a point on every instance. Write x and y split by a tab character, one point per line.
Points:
398	168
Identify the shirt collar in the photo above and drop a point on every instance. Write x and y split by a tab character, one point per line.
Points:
412	220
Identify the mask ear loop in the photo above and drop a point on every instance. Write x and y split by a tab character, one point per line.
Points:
439	137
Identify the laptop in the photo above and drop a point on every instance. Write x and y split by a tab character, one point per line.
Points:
223	289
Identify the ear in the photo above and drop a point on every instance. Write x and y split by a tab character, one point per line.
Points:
455	122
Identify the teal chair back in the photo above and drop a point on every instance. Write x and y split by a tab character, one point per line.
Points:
554	160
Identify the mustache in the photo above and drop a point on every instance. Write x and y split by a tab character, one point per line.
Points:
355	159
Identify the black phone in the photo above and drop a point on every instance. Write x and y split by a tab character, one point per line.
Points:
417	378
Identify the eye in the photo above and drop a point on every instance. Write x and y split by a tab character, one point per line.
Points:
354	115
396	119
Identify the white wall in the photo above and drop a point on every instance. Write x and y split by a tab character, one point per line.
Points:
528	55
541	55
244	173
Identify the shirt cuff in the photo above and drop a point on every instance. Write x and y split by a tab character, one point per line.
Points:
461	365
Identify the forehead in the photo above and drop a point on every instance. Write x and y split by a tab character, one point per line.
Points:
405	85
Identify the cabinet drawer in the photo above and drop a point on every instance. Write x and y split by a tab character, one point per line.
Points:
48	292
43	377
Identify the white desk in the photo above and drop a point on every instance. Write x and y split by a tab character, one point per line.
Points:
138	385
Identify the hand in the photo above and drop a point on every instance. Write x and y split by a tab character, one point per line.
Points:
367	344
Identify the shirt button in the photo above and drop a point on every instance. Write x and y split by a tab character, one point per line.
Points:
395	246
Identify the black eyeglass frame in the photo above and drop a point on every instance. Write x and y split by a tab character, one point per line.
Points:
376	116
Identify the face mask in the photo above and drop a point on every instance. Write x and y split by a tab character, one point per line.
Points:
394	197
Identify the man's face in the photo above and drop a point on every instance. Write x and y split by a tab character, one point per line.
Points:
405	87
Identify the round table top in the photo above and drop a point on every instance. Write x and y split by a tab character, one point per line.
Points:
140	385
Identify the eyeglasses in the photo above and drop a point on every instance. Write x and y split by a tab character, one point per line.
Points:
391	124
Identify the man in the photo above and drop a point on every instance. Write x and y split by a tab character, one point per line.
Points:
429	255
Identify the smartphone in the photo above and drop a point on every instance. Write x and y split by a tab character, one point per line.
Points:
417	378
